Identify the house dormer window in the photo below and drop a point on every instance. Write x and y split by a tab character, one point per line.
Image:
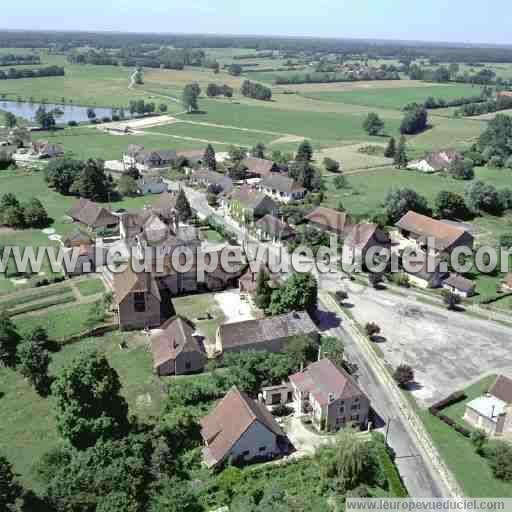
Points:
139	302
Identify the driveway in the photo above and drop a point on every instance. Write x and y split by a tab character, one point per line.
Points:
448	350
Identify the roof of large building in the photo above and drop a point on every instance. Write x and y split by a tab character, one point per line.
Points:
250	332
502	389
92	214
259	166
326	382
281	183
130	281
146	156
274	226
232	417
214	178
332	220
176	337
460	283
249	197
422	226
360	234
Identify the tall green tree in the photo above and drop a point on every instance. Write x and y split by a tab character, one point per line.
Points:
390	149
9	340
258	151
33	362
263	290
304	152
373	124
10	120
92	182
209	158
401	159
90	406
299	293
190	97
400	200
61	173
10	489
35	214
183	206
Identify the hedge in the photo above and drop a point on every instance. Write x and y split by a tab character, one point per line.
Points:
454	398
396	486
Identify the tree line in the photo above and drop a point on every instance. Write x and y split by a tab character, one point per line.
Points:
256	90
12	59
476	109
322	77
15	73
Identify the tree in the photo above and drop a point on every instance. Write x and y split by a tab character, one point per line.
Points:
10	489
390	150
35	214
91	114
138	77
256	90
304	152
495	140
211	199
461	169
258	151
92	182
478	440
183	206
209	158
403	375
20	137
90	406
127	186
401	160
162	108
10	120
132	172
482	197
449	205
500	460
333	348
451	300
299	293
175	495
5	160
62	173
33	365
44	119
400	200
331	165
190	96
212	90
306	175
339	182
235	69
236	154
9	340
414	121
373	124
371	329
263	290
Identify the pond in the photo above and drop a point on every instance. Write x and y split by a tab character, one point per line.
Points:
77	113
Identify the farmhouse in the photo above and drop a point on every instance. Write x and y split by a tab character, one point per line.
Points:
425	272
492	412
436	161
459	285
247	204
92	214
259	167
269	334
151	185
176	349
76	239
192	156
415	230
274	229
145	160
282	188
330	396
361	238
330	220
240	429
45	149
208	178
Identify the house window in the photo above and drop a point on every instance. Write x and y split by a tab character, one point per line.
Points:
355	417
139	302
246	453
342	410
290	396
262	448
354	407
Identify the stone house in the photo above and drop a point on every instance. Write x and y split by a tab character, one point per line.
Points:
271	228
247	204
330	396
92	215
77	238
259	167
207	179
459	285
361	238
425	271
240	429
269	334
282	188
327	219
146	160
177	349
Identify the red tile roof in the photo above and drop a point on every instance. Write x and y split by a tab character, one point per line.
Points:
330	219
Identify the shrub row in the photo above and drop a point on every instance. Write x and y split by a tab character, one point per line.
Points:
454	398
395	483
452	423
51	280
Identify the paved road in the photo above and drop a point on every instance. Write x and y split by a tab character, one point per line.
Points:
415	472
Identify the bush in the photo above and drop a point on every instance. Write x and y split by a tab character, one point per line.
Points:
403	375
454	398
72	123
371	329
395	483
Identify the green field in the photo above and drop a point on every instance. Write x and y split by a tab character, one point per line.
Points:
396	97
90	287
28	428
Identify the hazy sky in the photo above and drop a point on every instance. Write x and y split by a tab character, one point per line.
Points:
487	21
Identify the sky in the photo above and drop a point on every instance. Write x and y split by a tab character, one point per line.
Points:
466	21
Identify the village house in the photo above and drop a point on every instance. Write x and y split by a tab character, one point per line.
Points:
240	429
330	220
193	157
282	188
77	238
165	206
459	285
259	167
271	334
92	215
271	228
44	149
85	262
425	271
207	179
151	185
415	229
361	238
145	160
248	282
247	204
329	396
177	349
435	162
492	412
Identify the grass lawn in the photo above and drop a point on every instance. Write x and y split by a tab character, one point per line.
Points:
215	134
211	235
90	287
28	428
397	98
194	306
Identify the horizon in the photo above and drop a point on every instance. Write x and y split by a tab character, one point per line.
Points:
326	20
